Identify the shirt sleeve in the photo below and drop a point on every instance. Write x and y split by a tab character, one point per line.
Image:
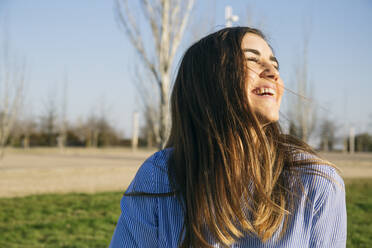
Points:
328	227
138	223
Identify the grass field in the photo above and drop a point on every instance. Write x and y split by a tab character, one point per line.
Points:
359	212
88	220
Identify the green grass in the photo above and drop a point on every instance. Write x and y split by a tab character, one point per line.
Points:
359	212
70	220
84	220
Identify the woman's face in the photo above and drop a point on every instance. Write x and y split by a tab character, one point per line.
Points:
265	87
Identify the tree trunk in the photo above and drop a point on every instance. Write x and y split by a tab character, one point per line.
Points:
164	111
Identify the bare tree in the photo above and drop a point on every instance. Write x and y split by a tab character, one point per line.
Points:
97	132
148	102
23	127
48	120
302	113
28	127
61	139
167	20
150	127
327	134
12	80
91	131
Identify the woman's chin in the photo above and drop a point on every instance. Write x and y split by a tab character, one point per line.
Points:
267	117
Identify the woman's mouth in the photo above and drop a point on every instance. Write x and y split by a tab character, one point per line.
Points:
264	91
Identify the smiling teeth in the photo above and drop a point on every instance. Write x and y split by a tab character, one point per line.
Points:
262	91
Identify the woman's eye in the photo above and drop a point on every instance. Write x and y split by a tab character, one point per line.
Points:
258	62
252	59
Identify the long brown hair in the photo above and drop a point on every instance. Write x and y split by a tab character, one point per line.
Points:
230	172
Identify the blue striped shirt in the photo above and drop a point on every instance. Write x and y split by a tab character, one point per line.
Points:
157	221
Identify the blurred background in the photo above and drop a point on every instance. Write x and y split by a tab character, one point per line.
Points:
84	90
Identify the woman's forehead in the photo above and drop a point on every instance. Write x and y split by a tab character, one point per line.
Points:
255	42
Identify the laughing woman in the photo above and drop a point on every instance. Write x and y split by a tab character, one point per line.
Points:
229	177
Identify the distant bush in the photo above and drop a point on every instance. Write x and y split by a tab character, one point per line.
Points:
363	142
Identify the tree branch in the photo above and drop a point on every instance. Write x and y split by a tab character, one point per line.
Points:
181	29
134	37
152	16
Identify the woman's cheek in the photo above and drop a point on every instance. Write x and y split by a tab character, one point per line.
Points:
252	77
281	86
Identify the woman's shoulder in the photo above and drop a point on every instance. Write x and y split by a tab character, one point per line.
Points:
321	179
152	176
316	169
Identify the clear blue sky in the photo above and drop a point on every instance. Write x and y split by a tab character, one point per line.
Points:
81	39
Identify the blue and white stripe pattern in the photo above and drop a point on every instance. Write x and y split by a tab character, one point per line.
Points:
157	221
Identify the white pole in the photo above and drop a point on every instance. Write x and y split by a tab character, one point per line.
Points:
229	17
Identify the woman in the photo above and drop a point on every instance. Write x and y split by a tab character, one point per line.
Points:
229	177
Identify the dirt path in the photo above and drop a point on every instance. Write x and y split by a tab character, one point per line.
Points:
39	171
74	171
358	165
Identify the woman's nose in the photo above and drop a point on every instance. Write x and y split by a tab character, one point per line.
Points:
270	72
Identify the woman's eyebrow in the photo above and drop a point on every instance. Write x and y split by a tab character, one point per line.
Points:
251	50
272	58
